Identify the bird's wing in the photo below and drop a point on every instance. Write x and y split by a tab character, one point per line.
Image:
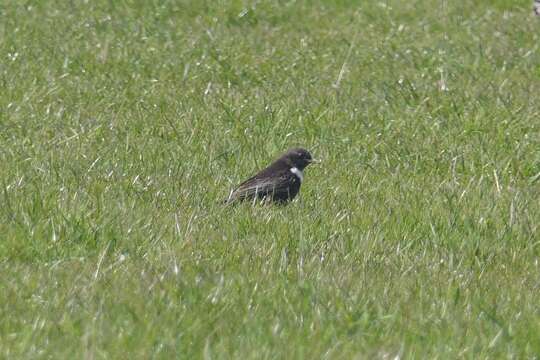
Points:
262	186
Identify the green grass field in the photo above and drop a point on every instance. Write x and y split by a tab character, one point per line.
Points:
124	123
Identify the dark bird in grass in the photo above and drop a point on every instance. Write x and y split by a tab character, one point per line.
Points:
279	182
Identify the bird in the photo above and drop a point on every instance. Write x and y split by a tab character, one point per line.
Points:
536	7
278	183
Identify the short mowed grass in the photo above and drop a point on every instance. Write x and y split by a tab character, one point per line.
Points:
123	124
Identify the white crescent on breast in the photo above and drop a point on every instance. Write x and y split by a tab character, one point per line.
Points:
299	174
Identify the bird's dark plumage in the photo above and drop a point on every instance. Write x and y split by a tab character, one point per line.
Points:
279	182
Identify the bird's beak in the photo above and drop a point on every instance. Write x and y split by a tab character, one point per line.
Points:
315	161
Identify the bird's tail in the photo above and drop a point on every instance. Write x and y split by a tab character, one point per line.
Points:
229	200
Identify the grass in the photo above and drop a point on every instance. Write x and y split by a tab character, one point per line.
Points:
122	125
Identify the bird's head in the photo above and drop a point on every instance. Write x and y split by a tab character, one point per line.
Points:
298	157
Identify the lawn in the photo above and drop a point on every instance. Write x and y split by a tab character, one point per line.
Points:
123	124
